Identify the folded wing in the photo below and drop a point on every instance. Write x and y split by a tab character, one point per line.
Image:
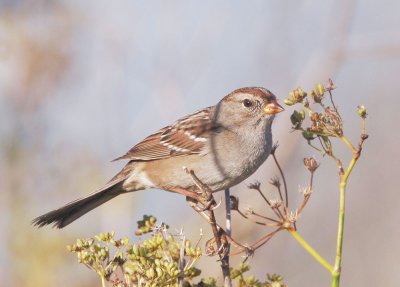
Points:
186	136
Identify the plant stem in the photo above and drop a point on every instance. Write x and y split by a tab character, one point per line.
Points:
339	245
103	281
311	250
284	181
348	143
225	260
182	258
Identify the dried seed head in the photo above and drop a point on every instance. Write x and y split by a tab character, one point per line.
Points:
255	185
314	116
316	122
332	121
249	210
275	181
305	190
210	250
330	86
293	216
311	164
275	203
160	228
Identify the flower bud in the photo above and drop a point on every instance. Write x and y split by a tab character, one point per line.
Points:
297	118
316	97
311	164
320	90
362	111
301	94
288	102
292	96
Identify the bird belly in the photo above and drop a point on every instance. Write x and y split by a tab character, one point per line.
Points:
171	173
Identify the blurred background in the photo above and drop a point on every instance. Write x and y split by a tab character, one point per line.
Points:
81	82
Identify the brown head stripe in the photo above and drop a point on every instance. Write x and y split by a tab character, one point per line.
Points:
256	91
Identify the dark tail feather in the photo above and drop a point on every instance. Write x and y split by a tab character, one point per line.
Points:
65	215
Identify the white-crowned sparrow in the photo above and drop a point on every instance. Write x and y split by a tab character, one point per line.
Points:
222	145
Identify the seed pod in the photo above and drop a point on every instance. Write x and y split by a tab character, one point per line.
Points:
320	90
362	111
288	102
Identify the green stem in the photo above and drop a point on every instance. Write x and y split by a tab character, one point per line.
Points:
311	250
103	281
349	144
339	244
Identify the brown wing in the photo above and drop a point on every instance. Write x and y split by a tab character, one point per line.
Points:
186	136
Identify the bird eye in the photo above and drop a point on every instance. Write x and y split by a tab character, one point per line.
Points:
247	103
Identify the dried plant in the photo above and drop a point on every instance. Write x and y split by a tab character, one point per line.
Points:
283	218
319	122
164	259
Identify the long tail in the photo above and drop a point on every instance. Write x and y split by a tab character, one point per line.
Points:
65	215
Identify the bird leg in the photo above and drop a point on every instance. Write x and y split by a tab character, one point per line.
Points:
221	238
218	231
206	197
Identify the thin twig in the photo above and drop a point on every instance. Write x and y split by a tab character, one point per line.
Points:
363	129
217	231
275	182
333	103
338	161
265	239
363	137
284	181
322	145
258	222
277	212
303	204
181	257
263	216
307	196
314	147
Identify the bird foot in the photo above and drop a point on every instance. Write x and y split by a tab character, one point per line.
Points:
205	193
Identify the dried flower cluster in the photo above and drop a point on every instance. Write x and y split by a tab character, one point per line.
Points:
283	217
327	123
162	260
316	120
153	262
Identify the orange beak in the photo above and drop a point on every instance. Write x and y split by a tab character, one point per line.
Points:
273	108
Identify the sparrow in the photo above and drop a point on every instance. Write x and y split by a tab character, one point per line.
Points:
222	145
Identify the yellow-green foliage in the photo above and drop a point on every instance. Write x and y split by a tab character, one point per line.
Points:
156	261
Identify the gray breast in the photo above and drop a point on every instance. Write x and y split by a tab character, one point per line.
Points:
234	158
